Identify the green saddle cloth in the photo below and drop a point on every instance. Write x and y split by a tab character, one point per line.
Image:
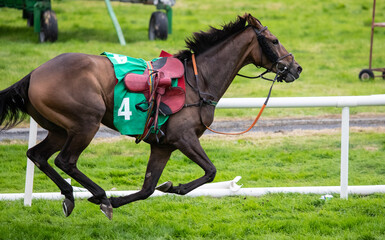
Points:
127	118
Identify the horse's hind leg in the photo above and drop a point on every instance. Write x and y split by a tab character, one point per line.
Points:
67	160
192	148
40	154
158	159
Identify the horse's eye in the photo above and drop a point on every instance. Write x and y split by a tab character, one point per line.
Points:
275	41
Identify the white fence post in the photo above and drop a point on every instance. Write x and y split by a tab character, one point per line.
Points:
344	152
30	166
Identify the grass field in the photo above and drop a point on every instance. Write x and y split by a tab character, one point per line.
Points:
278	216
330	39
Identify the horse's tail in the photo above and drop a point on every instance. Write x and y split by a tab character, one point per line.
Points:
13	103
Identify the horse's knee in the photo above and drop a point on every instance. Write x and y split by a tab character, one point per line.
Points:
39	162
211	173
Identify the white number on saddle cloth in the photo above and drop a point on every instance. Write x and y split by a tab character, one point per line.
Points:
124	109
120	59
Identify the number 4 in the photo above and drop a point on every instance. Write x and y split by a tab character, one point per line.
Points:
124	109
120	59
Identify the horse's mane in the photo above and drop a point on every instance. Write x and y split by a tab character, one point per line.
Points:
202	41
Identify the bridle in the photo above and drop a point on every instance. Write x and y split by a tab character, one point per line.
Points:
280	76
262	42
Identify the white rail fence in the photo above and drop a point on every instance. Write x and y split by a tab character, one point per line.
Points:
344	102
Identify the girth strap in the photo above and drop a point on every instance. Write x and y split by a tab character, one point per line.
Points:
151	103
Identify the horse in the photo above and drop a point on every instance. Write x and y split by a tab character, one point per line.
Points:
72	94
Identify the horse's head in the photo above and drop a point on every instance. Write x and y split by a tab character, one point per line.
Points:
269	53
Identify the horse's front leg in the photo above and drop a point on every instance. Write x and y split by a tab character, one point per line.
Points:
160	154
191	147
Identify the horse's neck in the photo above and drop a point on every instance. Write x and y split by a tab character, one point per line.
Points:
219	65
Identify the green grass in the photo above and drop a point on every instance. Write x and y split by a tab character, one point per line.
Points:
278	216
264	160
329	39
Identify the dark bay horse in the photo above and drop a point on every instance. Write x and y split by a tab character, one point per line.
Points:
71	94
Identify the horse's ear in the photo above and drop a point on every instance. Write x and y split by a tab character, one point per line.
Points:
253	21
245	16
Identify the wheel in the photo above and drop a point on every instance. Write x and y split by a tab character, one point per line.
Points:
30	21
383	75
366	75
48	27
158	28
29	16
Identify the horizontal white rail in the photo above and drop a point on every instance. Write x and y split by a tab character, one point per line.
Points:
216	192
300	102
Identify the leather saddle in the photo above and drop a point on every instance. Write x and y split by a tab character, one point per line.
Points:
161	96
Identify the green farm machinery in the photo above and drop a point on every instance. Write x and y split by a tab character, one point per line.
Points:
43	19
39	15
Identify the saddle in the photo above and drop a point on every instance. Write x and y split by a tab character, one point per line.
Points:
156	85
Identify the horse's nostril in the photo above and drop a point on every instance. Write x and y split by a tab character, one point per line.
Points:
299	69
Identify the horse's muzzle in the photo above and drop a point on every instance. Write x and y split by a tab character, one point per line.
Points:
293	73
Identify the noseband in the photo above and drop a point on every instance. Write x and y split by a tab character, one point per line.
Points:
272	57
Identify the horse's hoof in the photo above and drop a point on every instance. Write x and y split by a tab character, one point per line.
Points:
107	210
164	187
94	200
68	206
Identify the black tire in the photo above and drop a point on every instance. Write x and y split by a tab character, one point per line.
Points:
29	16
158	28
366	75
30	21
48	27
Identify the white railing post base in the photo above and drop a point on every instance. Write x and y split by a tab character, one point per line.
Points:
30	166
344	152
